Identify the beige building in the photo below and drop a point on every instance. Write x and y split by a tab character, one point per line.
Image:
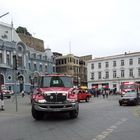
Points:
75	66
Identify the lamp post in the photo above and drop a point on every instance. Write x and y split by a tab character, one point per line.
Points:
15	76
4	14
119	84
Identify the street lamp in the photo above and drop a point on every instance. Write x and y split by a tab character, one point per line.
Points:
4	14
119	83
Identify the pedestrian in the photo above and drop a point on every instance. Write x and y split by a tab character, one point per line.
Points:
22	94
103	93
1	99
107	93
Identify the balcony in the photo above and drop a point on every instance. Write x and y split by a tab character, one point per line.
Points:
5	66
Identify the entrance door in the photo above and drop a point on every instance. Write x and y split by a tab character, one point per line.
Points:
1	79
21	83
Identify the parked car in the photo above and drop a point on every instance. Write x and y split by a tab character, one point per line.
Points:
82	95
130	97
7	93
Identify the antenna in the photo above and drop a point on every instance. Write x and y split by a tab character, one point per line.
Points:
11	29
70	47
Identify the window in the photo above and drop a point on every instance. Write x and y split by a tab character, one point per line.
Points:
106	64
76	61
106	74
8	58
34	55
130	61
19	61
35	67
40	67
53	68
40	56
139	72
64	61
20	48
122	73
138	60
122	62
45	57
70	59
130	72
1	58
29	54
92	66
99	65
92	75
114	63
99	75
114	74
29	65
46	68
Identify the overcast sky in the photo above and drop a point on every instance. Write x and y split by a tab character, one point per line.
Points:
97	27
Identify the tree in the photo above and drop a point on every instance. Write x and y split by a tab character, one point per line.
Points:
23	30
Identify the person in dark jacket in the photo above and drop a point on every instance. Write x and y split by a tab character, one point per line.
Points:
1	99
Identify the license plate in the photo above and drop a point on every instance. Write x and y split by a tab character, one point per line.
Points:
56	109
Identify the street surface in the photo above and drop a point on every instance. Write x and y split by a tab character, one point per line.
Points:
100	119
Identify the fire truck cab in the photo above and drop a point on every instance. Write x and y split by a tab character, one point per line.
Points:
129	86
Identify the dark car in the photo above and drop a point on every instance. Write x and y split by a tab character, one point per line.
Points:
130	98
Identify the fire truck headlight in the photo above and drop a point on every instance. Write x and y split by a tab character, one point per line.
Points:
72	100
42	101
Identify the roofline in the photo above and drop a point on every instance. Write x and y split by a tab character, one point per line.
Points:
113	56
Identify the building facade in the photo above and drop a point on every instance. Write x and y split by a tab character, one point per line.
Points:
74	66
111	71
30	62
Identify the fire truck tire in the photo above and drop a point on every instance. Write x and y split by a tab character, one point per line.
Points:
37	115
73	114
120	104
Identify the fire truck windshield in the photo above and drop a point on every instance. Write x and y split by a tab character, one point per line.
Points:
56	81
128	87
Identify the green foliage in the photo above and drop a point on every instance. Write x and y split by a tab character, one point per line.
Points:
23	30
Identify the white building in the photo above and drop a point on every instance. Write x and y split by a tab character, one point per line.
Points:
111	71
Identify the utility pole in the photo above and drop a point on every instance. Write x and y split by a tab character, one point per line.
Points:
15	65
70	47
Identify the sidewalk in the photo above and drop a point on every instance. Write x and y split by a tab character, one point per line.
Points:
23	106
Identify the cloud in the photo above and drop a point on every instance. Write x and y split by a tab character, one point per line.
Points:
98	27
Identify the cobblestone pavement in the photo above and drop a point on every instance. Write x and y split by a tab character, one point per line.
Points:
23	106
100	119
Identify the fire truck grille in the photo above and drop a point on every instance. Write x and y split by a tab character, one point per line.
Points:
56	97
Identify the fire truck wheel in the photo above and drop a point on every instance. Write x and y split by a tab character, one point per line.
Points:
37	115
73	114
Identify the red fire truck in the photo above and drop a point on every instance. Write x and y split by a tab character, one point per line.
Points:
129	86
54	94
